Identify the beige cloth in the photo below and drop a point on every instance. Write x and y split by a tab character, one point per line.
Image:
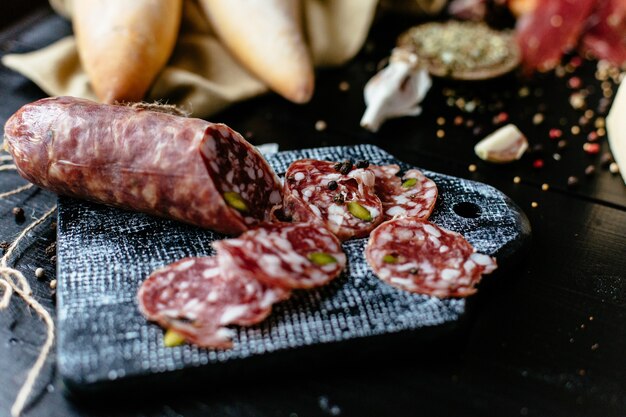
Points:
201	75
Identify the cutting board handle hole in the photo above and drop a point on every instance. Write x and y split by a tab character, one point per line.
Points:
467	210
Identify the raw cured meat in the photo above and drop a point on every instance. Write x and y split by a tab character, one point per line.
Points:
337	195
288	255
197	299
550	30
420	257
412	196
606	38
181	168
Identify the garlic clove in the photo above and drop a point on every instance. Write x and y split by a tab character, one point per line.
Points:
506	144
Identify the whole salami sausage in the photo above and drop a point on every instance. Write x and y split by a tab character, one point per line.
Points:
337	195
287	255
421	257
185	169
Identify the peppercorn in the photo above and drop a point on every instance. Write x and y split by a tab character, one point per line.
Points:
346	167
332	185
18	212
606	159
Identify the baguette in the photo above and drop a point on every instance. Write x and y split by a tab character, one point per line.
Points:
265	36
123	45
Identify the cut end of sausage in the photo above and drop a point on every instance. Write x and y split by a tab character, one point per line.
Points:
247	184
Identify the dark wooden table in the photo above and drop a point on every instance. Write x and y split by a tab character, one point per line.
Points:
547	337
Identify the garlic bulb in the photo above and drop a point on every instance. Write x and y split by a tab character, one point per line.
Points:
395	91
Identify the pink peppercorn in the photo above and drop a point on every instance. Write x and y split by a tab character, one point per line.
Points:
574	82
555	133
502	117
591	148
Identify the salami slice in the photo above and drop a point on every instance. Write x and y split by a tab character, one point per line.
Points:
420	257
412	196
338	196
199	300
288	255
165	165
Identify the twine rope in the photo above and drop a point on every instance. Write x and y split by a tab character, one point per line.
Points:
17	190
13	281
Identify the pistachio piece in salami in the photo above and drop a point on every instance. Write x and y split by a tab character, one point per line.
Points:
390	259
321	258
410	183
172	338
196	301
349	207
359	211
413	196
286	255
235	201
142	160
430	259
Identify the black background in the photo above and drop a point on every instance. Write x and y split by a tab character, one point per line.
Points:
547	338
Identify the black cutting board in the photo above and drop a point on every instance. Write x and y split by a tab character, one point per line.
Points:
105	253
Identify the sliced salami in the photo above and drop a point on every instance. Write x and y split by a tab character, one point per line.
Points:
199	300
338	196
420	257
288	255
412	196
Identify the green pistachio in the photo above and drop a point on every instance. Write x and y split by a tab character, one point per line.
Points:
390	259
410	183
321	258
234	200
359	211
173	338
